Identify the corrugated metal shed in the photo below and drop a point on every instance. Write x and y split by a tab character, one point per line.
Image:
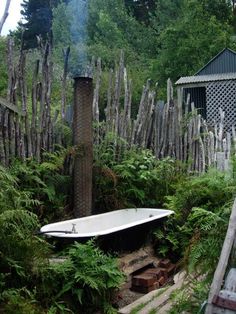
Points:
206	78
213	87
223	62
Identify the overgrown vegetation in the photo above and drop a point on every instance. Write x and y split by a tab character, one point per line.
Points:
131	177
196	232
200	203
161	39
34	192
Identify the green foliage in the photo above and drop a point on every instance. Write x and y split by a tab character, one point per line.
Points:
61	31
87	275
201	210
141	9
166	13
22	254
11	197
197	233
190	41
131	177
20	250
110	20
45	182
19	301
207	238
37	20
190	297
210	191
85	279
144	181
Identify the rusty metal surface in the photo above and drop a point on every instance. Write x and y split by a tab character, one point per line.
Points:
83	142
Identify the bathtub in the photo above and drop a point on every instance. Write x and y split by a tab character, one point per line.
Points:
104	224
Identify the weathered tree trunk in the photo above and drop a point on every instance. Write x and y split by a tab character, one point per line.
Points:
96	100
66	54
26	134
117	92
2	151
108	110
6	136
34	120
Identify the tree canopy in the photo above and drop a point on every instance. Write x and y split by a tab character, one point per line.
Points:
37	15
160	38
191	40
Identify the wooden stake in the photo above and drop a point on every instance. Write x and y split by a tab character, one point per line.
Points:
223	261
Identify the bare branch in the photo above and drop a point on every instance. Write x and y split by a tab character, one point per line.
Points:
5	14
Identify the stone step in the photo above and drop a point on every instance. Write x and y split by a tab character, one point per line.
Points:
155	299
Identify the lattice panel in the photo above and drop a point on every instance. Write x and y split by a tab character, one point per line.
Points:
221	95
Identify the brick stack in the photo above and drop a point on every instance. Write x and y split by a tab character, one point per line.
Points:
152	278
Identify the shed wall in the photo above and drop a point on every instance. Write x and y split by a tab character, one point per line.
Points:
198	97
221	95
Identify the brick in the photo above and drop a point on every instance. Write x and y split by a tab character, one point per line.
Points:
143	280
164	272
162	281
158	272
165	263
145	289
170	269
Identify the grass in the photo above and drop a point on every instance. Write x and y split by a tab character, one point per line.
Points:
139	307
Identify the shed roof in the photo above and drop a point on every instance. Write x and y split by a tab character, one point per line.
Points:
206	78
221	67
223	62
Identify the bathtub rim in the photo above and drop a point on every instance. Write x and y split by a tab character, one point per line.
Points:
43	229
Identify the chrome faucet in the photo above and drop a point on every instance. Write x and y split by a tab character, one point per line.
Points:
73	228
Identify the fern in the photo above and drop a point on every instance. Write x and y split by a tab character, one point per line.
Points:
205	220
20	301
43	187
20	250
87	274
201	205
207	239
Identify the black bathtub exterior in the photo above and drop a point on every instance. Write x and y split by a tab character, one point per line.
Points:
126	240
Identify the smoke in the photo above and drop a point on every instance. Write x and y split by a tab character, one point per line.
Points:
78	11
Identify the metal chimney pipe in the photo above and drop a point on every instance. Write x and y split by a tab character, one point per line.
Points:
83	142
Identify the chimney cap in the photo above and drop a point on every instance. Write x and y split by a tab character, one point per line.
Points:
82	77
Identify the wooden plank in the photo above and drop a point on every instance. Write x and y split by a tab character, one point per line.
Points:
223	261
224	303
11	106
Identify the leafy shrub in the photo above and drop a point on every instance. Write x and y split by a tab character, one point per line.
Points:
144	181
136	179
207	239
19	301
199	203
86	278
45	182
11	197
196	233
20	250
